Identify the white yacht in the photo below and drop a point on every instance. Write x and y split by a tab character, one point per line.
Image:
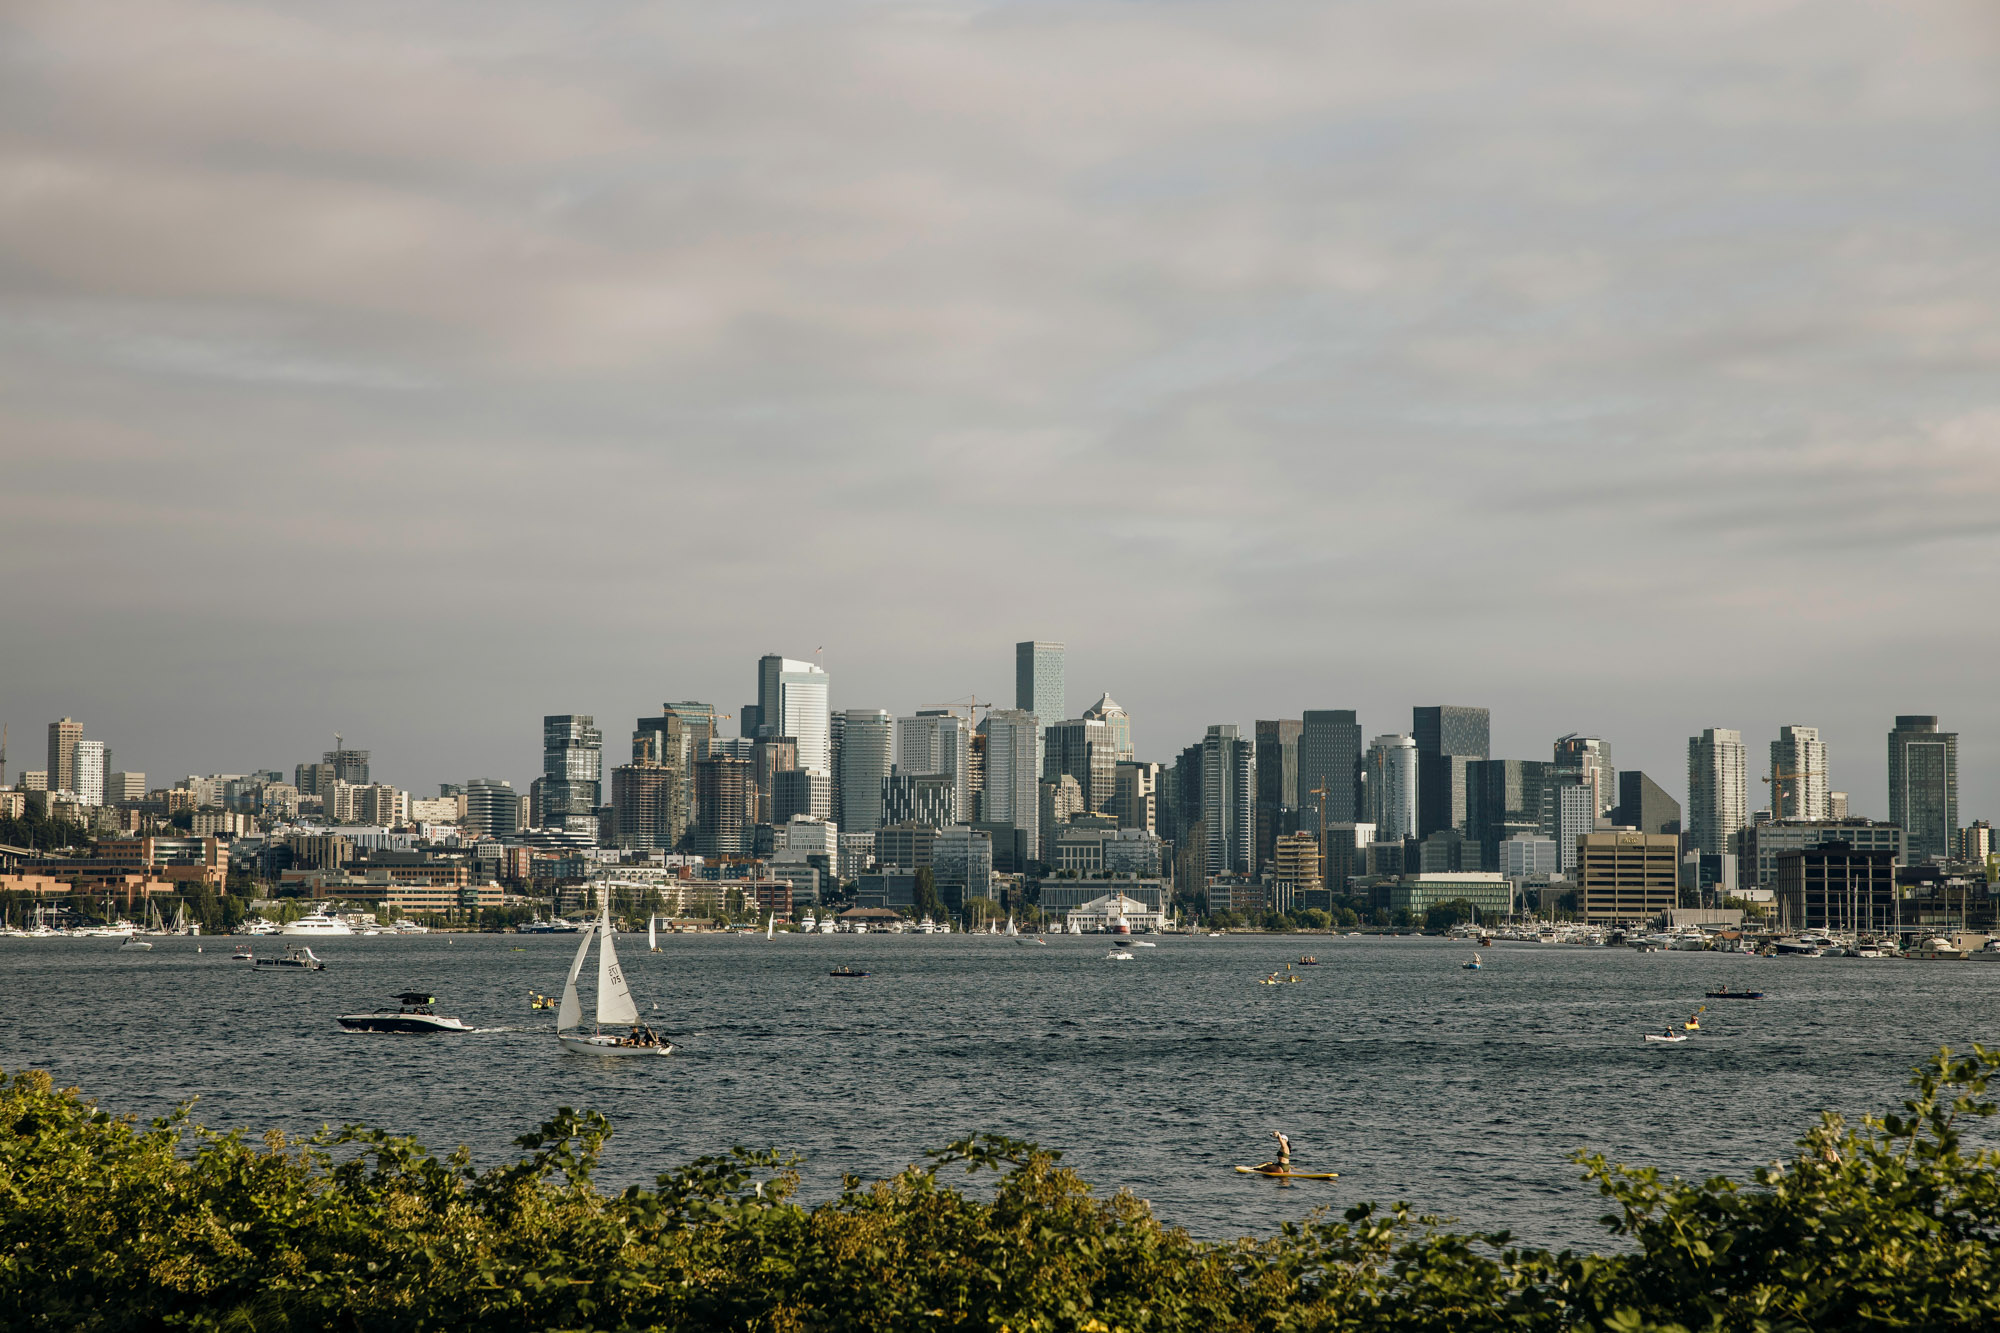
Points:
318	922
829	926
256	926
808	923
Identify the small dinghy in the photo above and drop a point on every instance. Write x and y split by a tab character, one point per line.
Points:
846	972
413	1014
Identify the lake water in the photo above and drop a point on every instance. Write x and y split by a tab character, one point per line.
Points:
1462	1092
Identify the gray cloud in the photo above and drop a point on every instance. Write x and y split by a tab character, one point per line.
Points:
419	369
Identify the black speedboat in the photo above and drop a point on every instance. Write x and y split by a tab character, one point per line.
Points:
415	1014
1726	994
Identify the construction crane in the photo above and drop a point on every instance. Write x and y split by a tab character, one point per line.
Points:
970	703
1323	791
1778	790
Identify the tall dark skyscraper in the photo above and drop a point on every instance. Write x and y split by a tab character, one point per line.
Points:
1923	785
1330	757
1277	784
1448	738
1644	805
1503	797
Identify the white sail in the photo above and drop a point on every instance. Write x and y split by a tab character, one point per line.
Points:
571	1012
614	1001
771	926
653	933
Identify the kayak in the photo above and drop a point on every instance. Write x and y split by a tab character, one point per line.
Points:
1735	995
1654	1036
1271	1169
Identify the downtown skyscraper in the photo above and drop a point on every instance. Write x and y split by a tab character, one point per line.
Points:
793	700
1923	785
1718	789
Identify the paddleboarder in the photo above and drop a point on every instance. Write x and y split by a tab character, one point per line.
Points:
1284	1151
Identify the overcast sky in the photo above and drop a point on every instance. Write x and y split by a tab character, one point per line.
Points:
413	370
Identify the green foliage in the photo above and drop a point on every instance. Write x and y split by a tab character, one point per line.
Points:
924	900
40	833
1315	919
105	1224
1443	916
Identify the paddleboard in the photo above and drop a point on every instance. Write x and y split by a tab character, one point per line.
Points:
1287	1175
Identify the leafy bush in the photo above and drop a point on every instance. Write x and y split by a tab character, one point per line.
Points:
108	1225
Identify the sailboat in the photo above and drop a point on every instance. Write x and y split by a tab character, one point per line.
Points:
653	933
1011	928
771	926
614	1003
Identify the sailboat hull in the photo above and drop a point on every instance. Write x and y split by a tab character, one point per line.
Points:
597	1044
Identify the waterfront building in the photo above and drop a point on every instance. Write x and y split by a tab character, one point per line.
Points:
1718	790
962	864
492	808
1644	805
1060	897
938	741
1504	798
1118	722
1329	759
928	798
1277	784
1798	774
1759	846
1836	886
867	755
792	701
1013	789
87	772
1084	749
1097	915
1626	877
1135	788
1228	766
1394	776
1447	738
572	767
1590	757
1487	891
1923	785
63	736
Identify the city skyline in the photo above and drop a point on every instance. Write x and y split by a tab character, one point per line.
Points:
1601	370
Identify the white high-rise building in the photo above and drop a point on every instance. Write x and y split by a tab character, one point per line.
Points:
1013	789
1392	786
792	700
1798	767
1228	799
867	752
1718	795
937	740
87	766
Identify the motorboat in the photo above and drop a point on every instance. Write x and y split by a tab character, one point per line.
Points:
256	926
614	1003
409	928
296	955
243	955
414	1013
1797	948
845	971
112	930
808	923
1125	954
1727	994
318	922
135	945
829	926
